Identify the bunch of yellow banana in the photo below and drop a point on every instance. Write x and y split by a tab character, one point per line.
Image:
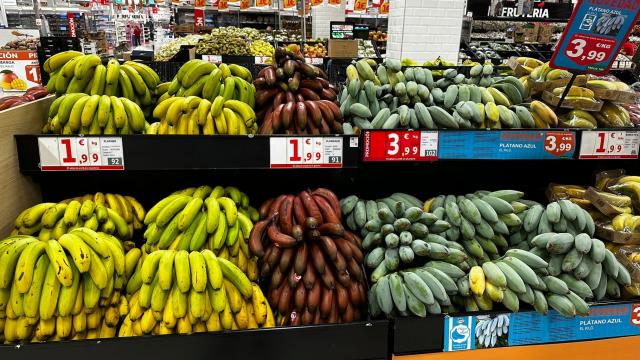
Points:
529	64
579	119
59	289
109	213
206	80
543	116
626	222
193	115
612	115
629	186
84	114
261	48
595	84
176	291
544	73
219	219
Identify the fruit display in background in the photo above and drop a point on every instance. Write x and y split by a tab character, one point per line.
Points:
390	98
261	48
109	213
79	113
181	292
293	97
34	93
168	50
71	72
377	35
194	116
208	81
229	40
219	219
317	50
64	289
312	265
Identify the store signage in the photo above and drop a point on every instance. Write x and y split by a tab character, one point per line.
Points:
261	60
316	3
223	5
400	145
335	2
609	145
360	6
506	145
384	8
536	9
263	3
244	4
19	59
214	59
305	152
200	3
314	60
341	30
530	328
290	4
71	25
594	34
80	153
198	18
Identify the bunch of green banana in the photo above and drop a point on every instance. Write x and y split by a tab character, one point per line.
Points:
481	222
193	115
206	80
177	291
428	289
218	219
84	114
72	72
109	213
562	216
59	289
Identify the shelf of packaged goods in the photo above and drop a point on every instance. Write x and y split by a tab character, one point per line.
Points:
429	335
360	340
185	152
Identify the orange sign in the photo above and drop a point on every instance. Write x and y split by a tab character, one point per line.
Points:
315	3
263	3
360	5
384	8
244	4
288	4
200	3
223	5
335	2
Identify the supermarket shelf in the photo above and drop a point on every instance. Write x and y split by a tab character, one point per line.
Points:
361	340
175	152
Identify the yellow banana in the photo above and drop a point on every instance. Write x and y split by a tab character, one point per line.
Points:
78	249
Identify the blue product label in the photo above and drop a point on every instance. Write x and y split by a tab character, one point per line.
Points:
506	145
594	34
530	328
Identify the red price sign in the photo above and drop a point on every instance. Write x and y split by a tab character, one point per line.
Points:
80	153
263	3
305	152
384	8
588	50
609	145
223	5
400	145
198	16
559	143
635	315
288	4
360	5
315	3
244	4
72	25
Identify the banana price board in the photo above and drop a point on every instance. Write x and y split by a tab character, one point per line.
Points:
80	153
400	145
609	145
506	145
530	328
595	32
306	152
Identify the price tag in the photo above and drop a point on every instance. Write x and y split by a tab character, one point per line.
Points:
559	143
260	60
306	152
214	59
400	145
80	153
635	315
314	60
609	145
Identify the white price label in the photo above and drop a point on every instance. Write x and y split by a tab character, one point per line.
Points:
260	60
314	60
215	59
609	145
429	144
80	153
306	152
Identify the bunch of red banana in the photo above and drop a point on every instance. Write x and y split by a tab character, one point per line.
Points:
293	97
313	264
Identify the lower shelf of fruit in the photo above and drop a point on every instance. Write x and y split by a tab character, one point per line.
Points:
361	340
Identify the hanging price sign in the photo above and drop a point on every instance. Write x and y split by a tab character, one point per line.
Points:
306	152
289	4
223	5
609	145
198	16
594	34
71	24
360	6
400	145
335	2
315	3
80	153
244	4
263	3
384	8
200	3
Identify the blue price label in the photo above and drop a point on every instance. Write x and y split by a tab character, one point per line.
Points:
595	32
